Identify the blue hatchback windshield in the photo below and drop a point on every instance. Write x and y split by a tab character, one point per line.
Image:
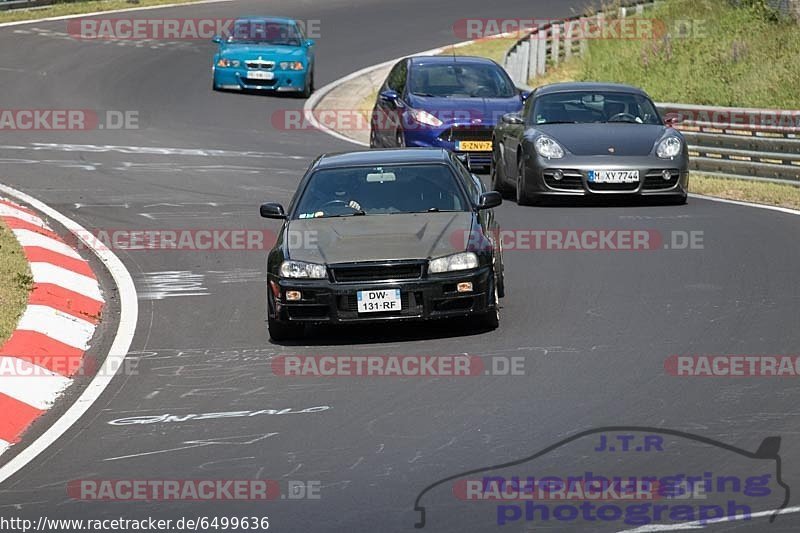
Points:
265	32
461	80
381	190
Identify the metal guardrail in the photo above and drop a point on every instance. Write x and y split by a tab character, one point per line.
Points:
743	143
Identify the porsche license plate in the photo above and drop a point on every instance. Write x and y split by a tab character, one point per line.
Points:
474	146
614	176
379	301
260	75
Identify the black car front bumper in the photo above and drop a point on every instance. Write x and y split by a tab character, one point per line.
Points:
428	297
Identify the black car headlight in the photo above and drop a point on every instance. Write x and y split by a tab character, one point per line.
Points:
303	270
451	263
548	147
669	148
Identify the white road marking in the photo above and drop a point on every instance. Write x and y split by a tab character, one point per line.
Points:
50	273
12	212
4	445
29	383
129	312
27	237
699	525
57	325
66	17
786	210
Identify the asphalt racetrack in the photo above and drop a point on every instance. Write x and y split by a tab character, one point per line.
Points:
592	328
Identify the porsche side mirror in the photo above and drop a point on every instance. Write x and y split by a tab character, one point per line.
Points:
490	200
512	118
272	210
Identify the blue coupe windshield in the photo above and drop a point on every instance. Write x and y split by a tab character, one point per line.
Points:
381	190
481	80
265	32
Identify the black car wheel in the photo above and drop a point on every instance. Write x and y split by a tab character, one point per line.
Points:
498	173
491	319
523	198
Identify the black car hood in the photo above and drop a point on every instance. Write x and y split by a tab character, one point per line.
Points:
596	139
377	237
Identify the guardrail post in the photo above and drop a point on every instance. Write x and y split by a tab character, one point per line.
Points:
555	30
569	29
640	9
541	59
623	12
534	58
584	45
525	60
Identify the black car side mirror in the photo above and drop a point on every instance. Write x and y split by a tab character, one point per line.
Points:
490	200
465	160
272	210
512	118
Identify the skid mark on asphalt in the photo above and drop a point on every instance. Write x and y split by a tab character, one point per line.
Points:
184	283
240	440
150	150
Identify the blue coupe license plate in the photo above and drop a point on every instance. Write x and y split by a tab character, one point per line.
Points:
614	176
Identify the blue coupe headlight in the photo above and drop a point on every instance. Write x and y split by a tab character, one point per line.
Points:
225	63
291	65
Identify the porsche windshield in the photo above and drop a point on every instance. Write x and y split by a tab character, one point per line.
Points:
461	80
581	107
381	190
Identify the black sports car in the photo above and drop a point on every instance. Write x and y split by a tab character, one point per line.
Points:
384	235
588	139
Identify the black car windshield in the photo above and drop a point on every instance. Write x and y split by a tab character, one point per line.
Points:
480	80
581	107
264	32
380	190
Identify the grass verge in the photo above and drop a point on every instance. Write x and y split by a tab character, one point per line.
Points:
493	48
15	282
76	8
708	52
759	192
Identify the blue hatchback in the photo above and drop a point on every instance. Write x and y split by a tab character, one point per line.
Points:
264	54
450	102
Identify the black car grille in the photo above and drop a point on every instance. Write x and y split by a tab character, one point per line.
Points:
468	133
376	272
571	180
654	179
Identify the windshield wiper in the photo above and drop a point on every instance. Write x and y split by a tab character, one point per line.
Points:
425	94
358	213
557	122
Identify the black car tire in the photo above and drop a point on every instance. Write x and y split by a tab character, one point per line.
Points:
490	320
523	198
309	86
498	176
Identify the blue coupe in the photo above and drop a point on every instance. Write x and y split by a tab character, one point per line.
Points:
446	102
265	54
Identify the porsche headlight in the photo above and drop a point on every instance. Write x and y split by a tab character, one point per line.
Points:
225	63
450	263
423	117
548	147
291	65
301	269
669	148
